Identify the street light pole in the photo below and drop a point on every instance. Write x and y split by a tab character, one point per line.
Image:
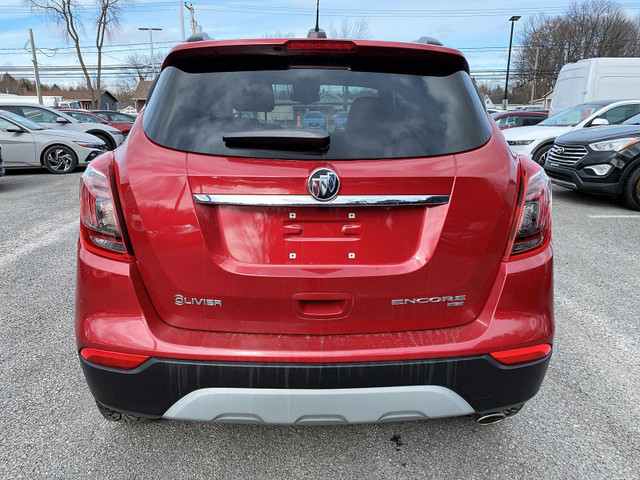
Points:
182	19
505	102
153	65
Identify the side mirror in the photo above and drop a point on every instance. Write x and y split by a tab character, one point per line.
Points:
61	120
14	129
599	121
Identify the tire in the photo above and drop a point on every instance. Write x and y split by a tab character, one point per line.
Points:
115	416
105	138
540	157
631	189
59	159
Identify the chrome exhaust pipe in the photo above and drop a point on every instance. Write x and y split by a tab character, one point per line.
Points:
490	418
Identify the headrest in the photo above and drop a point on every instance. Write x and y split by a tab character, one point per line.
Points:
255	97
364	110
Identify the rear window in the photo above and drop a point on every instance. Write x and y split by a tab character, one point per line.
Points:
388	115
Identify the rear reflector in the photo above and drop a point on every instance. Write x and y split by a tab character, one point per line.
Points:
522	355
123	361
319	46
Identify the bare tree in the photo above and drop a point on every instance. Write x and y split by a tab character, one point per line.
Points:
588	29
66	14
357	30
108	22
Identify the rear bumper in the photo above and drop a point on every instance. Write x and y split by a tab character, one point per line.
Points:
404	375
315	393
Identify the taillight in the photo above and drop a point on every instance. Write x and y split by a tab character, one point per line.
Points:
99	226
534	225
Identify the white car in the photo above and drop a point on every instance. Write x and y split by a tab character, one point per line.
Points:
29	144
52	118
536	141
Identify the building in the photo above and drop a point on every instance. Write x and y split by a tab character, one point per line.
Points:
139	96
79	99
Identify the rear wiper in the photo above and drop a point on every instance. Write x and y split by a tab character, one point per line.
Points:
294	140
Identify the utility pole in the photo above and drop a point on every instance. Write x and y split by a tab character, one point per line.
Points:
153	65
193	20
181	19
35	67
535	67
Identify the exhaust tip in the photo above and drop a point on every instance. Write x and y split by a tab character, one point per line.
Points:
490	418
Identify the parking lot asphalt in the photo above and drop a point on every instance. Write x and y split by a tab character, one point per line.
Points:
582	424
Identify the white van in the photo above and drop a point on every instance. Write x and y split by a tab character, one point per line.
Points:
592	79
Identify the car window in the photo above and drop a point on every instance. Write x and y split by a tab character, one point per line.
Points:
572	116
4	124
389	115
509	121
20	120
635	120
118	117
620	113
532	120
83	117
39	115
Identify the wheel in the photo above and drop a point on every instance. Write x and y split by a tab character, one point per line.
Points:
540	157
115	416
59	159
631	189
106	139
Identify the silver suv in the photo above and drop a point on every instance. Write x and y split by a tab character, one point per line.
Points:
52	118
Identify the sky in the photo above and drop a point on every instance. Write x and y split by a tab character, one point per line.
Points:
479	29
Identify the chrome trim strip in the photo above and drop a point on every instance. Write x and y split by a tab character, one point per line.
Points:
307	201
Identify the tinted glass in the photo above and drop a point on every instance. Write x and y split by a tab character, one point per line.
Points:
617	115
388	115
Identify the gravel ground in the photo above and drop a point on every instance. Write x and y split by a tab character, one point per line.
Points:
582	424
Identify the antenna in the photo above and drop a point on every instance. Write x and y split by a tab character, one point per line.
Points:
317	32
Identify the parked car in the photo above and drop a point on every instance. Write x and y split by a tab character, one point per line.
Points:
603	160
521	118
29	144
115	117
314	119
535	142
341	121
593	79
84	116
232	271
52	118
1	163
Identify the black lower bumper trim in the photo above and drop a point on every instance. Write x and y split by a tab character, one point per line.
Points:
158	383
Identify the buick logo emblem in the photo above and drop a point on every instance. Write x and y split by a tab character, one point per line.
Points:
323	184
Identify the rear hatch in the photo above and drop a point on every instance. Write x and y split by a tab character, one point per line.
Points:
416	197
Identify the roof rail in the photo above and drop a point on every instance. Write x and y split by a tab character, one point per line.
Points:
199	37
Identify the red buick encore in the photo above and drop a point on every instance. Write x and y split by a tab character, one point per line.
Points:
235	265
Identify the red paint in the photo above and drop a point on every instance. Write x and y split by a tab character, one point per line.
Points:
321	305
